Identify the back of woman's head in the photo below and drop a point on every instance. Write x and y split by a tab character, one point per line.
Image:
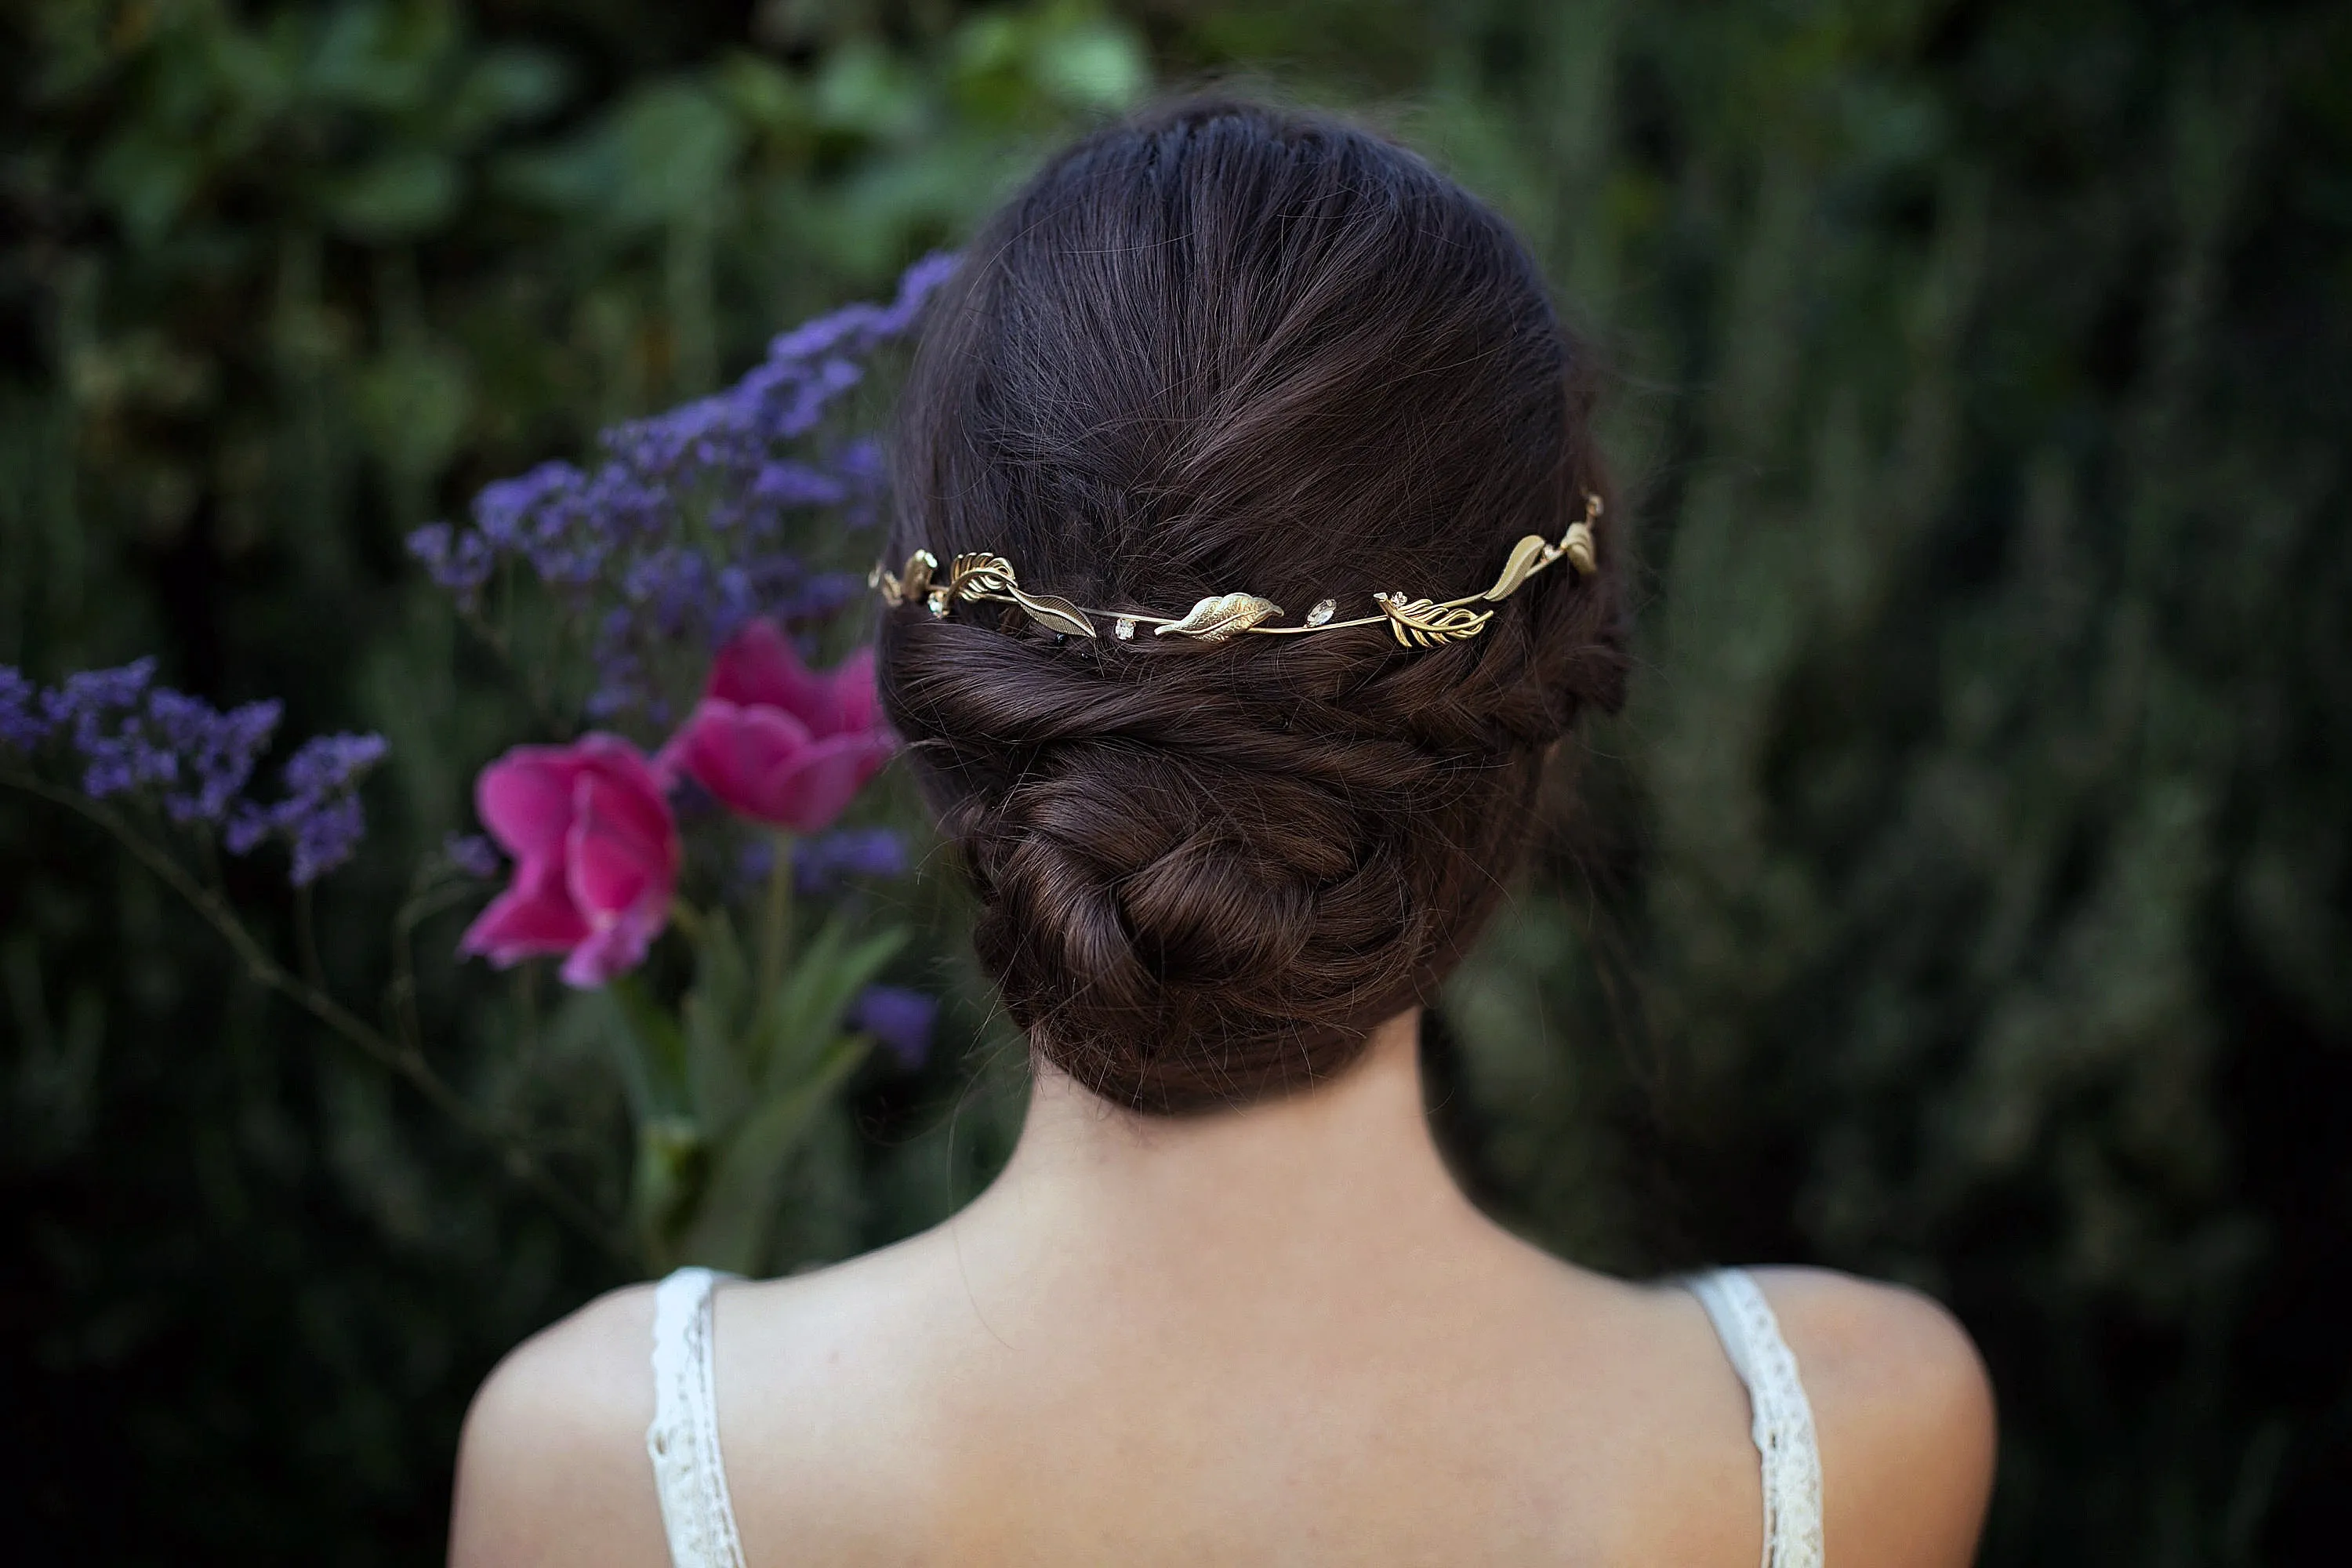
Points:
1229	347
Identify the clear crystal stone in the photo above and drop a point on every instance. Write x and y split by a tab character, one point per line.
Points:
1322	612
1124	629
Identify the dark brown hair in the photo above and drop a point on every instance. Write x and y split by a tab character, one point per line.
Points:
1225	347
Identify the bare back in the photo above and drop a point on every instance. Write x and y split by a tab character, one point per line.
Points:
1026	1384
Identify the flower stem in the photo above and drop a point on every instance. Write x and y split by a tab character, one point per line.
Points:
402	1058
776	931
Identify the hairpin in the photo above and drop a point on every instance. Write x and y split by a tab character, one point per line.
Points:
1220	617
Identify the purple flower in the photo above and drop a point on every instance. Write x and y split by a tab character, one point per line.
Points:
470	853
899	1018
324	839
822	863
671	538
23	724
131	734
218	750
100	706
320	817
459	563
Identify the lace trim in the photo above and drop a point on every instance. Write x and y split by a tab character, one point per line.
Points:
1783	1422
683	1441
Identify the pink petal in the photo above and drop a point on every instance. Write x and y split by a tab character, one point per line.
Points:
760	667
525	798
808	791
623	849
523	921
730	750
852	701
620	761
618	947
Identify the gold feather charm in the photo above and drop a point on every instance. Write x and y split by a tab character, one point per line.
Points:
1220	617
1419	623
1529	556
972	575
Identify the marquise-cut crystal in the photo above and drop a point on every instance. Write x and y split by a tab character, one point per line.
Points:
1322	612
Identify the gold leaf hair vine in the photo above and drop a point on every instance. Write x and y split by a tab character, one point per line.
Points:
1220	617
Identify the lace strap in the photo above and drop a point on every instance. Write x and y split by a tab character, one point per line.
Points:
683	1441
1782	1426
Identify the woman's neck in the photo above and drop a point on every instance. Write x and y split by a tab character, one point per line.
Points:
1332	1180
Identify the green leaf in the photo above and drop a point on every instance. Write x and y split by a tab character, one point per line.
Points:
505	86
398	196
147	181
715	1013
672	1171
760	93
673	144
804	1012
865	90
1100	66
651	1046
412	404
738	1210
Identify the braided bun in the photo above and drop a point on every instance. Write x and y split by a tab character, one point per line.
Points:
1223	348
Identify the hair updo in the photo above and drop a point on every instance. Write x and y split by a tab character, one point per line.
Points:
1225	347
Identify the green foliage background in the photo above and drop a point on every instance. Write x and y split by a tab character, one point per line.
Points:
1962	899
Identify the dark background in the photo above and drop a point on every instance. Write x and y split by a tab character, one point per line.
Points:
1962	899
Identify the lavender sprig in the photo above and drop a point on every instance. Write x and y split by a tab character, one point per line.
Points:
674	538
131	735
471	854
320	817
23	723
901	1019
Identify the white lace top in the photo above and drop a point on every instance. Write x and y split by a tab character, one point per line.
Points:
692	1480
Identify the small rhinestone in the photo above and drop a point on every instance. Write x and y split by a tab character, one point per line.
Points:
1124	629
1322	612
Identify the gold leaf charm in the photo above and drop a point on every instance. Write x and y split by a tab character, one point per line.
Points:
1527	556
1220	617
1054	614
908	585
917	577
1419	623
1578	548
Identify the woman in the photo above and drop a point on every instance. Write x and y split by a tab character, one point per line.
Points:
1225	1304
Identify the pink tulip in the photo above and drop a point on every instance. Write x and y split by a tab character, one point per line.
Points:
596	856
777	741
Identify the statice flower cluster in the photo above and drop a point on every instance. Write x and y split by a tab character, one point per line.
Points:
320	818
901	1019
824	862
132	736
471	854
676	538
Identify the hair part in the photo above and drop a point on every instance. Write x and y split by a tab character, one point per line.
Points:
1226	347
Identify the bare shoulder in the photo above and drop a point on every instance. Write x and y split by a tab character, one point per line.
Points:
1905	1414
551	1467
